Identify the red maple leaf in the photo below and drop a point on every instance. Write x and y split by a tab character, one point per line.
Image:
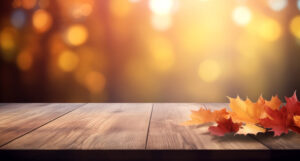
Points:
224	126
281	120
278	120
293	105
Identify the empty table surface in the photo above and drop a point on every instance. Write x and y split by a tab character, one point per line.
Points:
155	126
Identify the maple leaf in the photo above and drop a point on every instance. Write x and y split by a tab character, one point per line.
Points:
204	116
296	124
293	105
249	117
297	120
224	126
251	112
250	129
274	103
285	118
246	111
279	120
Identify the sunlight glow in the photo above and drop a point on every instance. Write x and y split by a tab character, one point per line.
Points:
161	22
209	71
161	6
120	8
241	15
277	5
270	30
162	54
295	26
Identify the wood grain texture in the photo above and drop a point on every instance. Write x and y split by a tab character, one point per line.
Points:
165	131
17	119
286	141
92	126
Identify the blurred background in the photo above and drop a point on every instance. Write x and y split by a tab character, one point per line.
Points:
148	50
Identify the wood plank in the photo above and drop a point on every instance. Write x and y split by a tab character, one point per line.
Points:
17	119
166	132
93	126
286	141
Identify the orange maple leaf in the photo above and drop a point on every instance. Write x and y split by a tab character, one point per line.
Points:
204	116
274	103
251	112
250	129
297	120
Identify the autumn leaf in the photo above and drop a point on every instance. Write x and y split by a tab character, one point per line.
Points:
293	105
296	124
279	122
297	120
247	117
250	129
251	112
274	103
204	116
246	111
219	114
224	126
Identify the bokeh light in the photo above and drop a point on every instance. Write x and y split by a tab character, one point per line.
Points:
24	60
44	3
16	3
161	54
270	30
95	82
241	15
161	7
120	8
161	22
151	50
191	37
42	20
8	40
76	35
134	1
277	5
209	71
295	26
80	10
18	18
28	4
68	61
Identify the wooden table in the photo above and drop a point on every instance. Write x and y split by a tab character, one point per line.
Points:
119	131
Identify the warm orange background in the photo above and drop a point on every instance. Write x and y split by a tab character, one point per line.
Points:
148	50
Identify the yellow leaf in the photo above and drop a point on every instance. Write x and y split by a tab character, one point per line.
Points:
246	111
250	129
297	120
251	112
204	116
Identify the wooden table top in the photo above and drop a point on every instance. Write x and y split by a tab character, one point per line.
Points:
118	126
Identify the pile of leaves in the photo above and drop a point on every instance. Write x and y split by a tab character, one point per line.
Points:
247	117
